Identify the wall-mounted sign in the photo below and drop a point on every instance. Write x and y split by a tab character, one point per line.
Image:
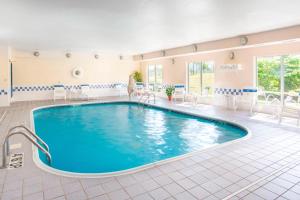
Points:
231	67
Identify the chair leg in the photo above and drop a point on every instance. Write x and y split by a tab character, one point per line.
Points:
279	118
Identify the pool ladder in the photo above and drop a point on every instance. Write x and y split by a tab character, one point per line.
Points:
31	136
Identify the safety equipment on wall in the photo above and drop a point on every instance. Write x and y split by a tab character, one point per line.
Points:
77	72
36	54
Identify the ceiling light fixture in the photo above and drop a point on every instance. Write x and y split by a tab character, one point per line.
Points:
243	40
173	61
195	47
231	55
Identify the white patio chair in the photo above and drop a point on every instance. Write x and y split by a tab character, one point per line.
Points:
146	94
179	92
291	108
139	88
158	88
154	87
192	98
151	86
118	87
85	91
74	93
59	92
249	98
268	98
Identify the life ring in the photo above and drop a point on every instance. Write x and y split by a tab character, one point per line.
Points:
77	72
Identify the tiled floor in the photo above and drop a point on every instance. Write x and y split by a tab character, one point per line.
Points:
266	166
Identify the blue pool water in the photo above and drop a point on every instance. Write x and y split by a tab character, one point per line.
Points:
109	137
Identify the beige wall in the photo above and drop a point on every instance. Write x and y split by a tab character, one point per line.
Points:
275	42
4	67
4	76
268	37
53	68
176	73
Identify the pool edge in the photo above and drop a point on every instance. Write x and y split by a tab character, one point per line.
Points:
52	170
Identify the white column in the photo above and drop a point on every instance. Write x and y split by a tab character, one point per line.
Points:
4	76
282	69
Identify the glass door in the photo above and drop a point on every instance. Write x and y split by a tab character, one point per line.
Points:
208	78
194	77
201	78
151	74
278	79
292	80
269	79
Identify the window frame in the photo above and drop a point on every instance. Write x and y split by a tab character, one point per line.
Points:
201	92
155	73
282	73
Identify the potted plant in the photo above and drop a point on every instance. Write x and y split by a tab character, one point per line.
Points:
169	92
137	76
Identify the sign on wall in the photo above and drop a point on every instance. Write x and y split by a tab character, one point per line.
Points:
231	67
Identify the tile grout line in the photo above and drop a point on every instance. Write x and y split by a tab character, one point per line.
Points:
259	180
3	116
251	158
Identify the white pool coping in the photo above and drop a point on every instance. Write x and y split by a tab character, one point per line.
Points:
52	170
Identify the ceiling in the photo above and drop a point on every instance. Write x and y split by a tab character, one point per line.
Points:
135	26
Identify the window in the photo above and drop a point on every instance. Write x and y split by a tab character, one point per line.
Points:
201	78
292	77
278	78
155	74
268	78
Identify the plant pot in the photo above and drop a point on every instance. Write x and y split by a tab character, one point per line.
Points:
170	98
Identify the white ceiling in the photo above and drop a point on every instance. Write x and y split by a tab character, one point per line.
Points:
136	26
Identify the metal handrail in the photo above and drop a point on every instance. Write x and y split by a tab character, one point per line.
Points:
142	96
5	147
31	133
147	95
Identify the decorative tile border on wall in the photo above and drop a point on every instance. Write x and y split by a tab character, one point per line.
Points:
108	86
228	91
3	92
222	91
32	88
67	87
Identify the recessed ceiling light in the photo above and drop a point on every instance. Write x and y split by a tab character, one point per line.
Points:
195	47
173	61
231	55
